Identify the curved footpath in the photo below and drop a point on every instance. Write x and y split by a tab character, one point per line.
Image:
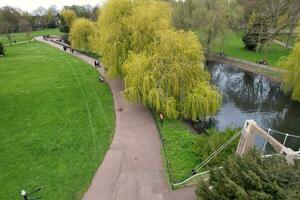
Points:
132	168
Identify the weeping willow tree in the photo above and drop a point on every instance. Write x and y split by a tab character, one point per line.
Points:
169	77
82	34
129	26
114	41
292	79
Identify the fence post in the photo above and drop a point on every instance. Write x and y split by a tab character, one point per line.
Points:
265	144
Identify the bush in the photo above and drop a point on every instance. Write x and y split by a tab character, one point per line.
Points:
250	42
90	54
2	49
252	177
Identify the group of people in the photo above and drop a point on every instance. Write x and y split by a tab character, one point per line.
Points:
66	48
262	62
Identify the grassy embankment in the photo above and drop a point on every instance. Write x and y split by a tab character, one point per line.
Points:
56	122
233	46
185	149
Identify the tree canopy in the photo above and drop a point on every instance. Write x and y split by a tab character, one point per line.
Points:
82	33
162	68
67	18
170	77
210	19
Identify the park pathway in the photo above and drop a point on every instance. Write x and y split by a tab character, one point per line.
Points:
132	168
283	44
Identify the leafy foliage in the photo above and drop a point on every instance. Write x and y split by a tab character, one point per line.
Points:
292	64
67	18
171	78
82	33
162	68
210	19
2	49
129	26
256	34
252	177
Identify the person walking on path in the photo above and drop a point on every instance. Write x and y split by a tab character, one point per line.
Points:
161	117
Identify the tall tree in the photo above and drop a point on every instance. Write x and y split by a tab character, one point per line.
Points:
162	68
67	18
114	42
24	26
9	19
170	77
81	34
210	19
292	19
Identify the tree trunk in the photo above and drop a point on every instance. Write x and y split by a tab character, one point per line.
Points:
9	38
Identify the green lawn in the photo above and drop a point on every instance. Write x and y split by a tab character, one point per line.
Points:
185	150
233	46
56	122
20	37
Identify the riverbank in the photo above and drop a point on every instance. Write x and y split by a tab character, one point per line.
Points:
232	45
272	73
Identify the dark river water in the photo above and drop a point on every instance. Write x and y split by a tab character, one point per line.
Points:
249	96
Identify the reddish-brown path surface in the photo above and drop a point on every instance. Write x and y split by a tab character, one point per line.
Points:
132	168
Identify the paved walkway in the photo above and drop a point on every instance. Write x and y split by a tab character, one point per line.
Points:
283	44
132	168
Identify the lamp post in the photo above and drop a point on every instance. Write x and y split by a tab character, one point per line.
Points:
24	195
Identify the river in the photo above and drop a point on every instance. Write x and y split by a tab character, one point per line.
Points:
250	96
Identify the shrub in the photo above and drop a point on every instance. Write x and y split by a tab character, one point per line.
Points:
2	49
252	177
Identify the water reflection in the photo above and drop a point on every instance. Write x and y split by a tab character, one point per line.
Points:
250	96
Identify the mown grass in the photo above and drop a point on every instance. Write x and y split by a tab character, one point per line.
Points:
20	37
233	46
185	150
56	122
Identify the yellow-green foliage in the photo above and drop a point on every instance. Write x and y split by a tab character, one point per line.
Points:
126	26
171	78
292	79
162	68
82	34
113	42
69	16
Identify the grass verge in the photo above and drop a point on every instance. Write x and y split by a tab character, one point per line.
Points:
21	37
184	150
233	46
56	122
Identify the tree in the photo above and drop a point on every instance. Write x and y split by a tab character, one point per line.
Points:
9	19
40	17
24	26
114	39
256	33
210	19
129	26
293	18
292	79
162	68
67	18
252	177
272	17
82	33
52	17
2	49
170	77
